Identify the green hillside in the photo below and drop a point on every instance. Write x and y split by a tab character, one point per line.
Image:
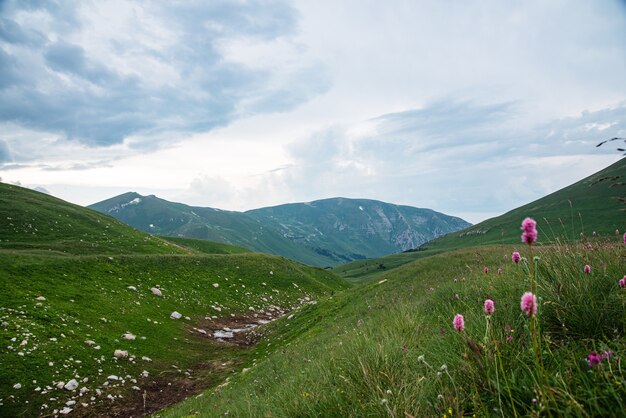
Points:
207	247
38	222
64	313
594	207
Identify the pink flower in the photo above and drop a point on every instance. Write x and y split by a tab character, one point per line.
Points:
622	282
594	359
456	280
529	226
456	296
486	270
624	237
499	271
516	257
587	269
459	322
528	304
489	307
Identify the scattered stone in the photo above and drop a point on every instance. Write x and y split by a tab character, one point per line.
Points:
133	288
71	385
144	358
17	386
156	292
90	342
145	373
128	336
216	285
175	315
66	410
40	298
113	377
120	353
70	403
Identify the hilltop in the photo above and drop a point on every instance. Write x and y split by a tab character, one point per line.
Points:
322	233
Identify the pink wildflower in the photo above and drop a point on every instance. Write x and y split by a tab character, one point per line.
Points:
489	307
459	322
516	257
587	269
456	280
624	237
622	282
529	226
594	359
499	271
528	304
456	296
486	270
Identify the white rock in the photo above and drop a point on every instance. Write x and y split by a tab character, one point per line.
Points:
71	385
65	410
216	285
133	288
136	388
156	292
90	342
17	386
60	385
128	336
145	373
113	377
41	298
187	318
84	390
120	353
175	315
144	358
70	403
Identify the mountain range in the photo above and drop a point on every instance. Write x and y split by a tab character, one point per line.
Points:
325	232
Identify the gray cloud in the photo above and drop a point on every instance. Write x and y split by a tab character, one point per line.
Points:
165	74
444	156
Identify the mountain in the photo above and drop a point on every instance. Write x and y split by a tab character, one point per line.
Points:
357	228
323	233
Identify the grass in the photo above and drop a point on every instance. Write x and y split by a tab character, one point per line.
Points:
69	275
364	358
207	247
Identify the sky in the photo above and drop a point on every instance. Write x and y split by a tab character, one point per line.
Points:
470	108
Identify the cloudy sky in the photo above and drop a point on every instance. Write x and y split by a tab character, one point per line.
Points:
471	108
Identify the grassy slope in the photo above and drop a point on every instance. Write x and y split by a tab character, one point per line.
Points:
87	297
590	205
595	206
207	247
35	221
361	356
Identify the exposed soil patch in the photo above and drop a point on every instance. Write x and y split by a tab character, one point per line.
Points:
174	385
238	330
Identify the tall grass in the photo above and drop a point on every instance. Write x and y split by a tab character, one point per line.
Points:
391	350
